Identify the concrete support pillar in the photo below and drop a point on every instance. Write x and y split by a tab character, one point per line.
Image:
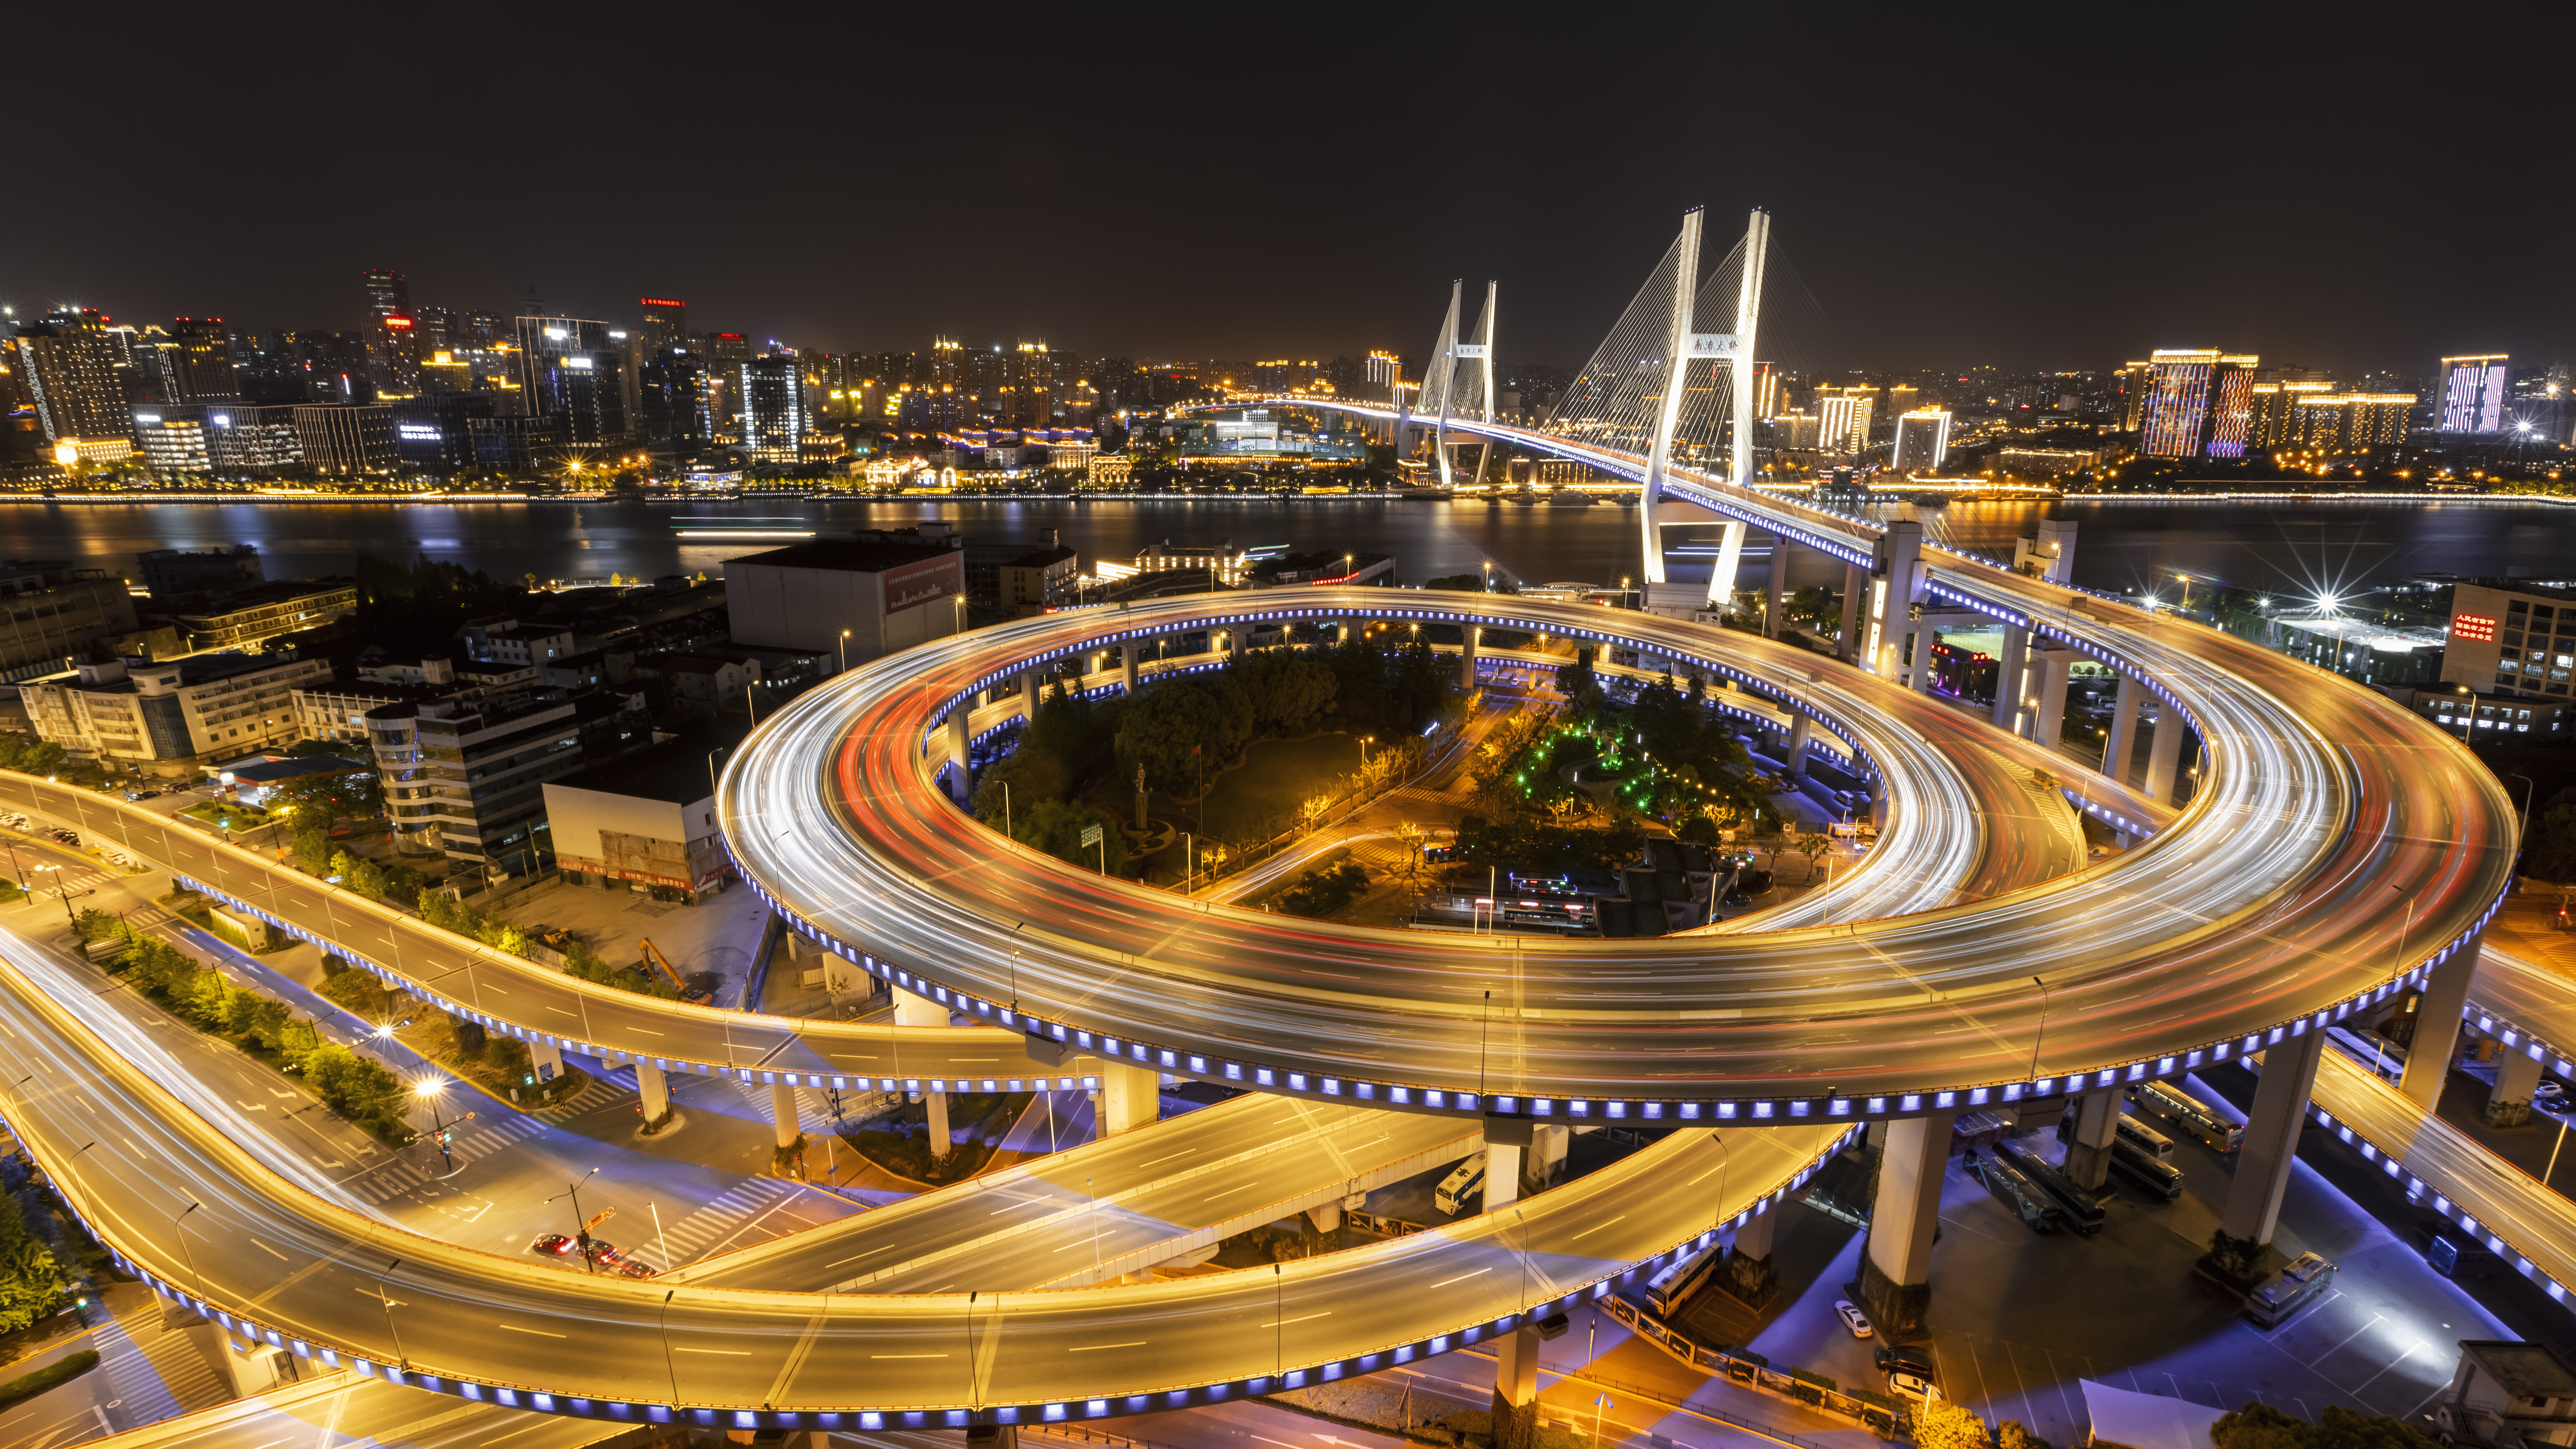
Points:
782	1114
2271	1142
1894	586
1029	683
1127	663
936	1101
2051	664
1546	1163
958	744
2164	751
911	1008
1855	596
846	980
1919	644
1516	1388
1327	1219
1747	1273
1130	1097
2123	739
794	953
1235	639
2437	1026
653	1086
2010	668
545	1062
1467	658
1800	728
2088	1150
1507	1141
1896	1272
1778	601
256	1368
2509	1103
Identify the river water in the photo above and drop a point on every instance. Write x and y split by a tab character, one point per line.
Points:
2122	545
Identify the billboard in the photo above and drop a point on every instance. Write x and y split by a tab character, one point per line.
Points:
928	581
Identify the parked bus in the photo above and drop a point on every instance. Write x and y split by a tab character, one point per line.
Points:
2145	1138
2289	1290
2186	1115
1672	1287
2014	1191
2078	1209
2144	1170
1467	1181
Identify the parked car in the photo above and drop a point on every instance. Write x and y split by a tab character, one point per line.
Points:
1853	1318
554	1243
636	1268
606	1254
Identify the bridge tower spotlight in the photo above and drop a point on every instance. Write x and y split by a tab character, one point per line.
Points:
1748	319
1675	360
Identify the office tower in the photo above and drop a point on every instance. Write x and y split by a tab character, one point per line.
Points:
672	399
2135	379
2473	393
67	363
1027	397
1844	425
1767	398
571	373
2199	404
482	331
337	367
198	361
1922	440
393	344
773	408
666	321
433	328
2273	416
2345	425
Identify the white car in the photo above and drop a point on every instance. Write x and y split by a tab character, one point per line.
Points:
1853	1318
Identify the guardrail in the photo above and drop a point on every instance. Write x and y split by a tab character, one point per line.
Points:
1878	1413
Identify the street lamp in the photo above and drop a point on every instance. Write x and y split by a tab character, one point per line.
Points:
581	1225
845	651
2042	1033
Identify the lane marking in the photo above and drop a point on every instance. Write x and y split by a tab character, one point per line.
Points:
1461	1278
1588	1232
1097	1347
907	1355
855	1257
727	1352
539	1332
1284	1322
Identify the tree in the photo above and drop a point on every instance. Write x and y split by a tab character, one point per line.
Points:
1056	828
1168	732
1941	1424
31	1281
327	799
2550	854
1324	890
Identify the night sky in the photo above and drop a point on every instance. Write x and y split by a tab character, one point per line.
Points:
2064	187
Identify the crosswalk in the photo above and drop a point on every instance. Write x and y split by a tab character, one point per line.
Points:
156	1372
596	1093
714	1227
421	1163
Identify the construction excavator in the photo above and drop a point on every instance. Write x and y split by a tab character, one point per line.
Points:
655	960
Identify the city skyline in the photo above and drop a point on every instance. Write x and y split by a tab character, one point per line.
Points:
1216	206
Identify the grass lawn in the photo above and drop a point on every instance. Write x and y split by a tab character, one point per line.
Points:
1259	797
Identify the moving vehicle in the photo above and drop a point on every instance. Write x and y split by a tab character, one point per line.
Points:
636	1268
1466	1181
2145	1139
553	1243
2289	1290
1673	1286
2015	1191
1853	1318
2186	1115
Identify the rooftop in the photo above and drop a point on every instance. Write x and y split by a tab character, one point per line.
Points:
2526	1370
674	771
848	555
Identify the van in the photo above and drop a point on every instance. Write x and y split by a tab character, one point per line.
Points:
1466	1181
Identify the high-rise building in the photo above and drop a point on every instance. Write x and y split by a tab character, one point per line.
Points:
1845	419
2350	424
2274	420
393	342
198	362
572	374
2135	380
666	321
67	363
1027	397
1922	440
773	408
2199	404
672	399
2474	390
347	437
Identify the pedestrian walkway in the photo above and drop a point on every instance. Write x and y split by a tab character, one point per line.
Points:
154	1373
421	1163
598	1092
715	1227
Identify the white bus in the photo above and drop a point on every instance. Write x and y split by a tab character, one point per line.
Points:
1467	1181
2187	1115
2145	1138
2285	1292
1670	1288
